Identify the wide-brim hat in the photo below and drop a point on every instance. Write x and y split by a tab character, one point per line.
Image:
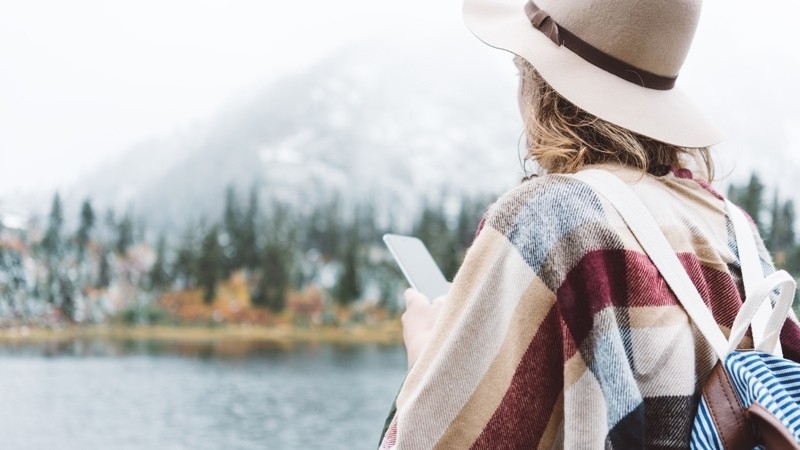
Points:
636	49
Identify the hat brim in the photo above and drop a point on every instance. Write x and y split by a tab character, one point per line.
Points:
667	116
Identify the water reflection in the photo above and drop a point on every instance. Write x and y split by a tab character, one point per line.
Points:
130	394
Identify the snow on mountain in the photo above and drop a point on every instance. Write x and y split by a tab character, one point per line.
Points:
379	122
394	123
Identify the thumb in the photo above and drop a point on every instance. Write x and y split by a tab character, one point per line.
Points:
413	296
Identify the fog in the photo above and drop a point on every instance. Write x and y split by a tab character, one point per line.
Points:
83	81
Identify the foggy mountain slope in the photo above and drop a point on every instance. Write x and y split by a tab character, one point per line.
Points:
374	123
393	123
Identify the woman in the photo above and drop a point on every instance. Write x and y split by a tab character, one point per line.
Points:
558	331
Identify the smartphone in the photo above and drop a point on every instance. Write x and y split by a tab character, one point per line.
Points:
417	265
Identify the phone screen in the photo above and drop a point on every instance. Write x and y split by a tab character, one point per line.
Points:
417	264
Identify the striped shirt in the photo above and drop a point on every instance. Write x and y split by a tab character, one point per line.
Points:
559	332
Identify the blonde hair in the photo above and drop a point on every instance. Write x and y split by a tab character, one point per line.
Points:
562	138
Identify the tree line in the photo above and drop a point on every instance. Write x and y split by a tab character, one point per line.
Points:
775	218
278	247
92	271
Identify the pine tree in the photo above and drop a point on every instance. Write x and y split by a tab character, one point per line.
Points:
66	293
432	230
13	288
231	228
185	267
326	229
276	260
793	261
750	198
274	277
85	227
52	246
781	231
247	240
139	230
104	271
366	222
210	264
110	226
348	288
124	234
158	273
51	243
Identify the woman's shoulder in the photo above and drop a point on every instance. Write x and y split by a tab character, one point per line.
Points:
546	201
564	198
553	221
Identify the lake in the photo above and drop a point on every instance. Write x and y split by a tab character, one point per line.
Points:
104	394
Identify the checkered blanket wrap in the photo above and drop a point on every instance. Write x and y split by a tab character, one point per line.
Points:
759	377
560	333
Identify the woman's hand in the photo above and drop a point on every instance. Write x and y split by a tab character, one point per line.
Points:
418	321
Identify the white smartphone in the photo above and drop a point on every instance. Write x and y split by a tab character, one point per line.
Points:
417	265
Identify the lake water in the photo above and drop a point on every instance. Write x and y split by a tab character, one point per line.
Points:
101	394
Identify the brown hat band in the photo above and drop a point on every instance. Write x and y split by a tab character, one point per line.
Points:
561	36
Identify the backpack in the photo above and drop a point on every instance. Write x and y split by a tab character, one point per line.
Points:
751	399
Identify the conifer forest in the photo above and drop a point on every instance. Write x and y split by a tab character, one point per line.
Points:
255	263
252	264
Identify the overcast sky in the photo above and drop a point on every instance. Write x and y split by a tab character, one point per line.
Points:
82	80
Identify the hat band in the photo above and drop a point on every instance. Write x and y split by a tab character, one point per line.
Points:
561	36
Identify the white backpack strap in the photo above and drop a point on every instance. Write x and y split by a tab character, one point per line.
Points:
752	275
771	330
655	244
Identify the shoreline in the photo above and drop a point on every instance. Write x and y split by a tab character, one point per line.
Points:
388	333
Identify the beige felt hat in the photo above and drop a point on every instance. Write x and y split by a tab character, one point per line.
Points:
616	59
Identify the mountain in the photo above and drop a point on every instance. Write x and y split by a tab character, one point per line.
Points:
381	122
394	123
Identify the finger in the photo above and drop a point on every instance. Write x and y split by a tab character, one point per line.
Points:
413	296
408	296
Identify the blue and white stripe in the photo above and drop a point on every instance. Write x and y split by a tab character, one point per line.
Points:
704	435
758	377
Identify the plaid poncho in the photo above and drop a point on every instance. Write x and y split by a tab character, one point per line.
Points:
559	332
